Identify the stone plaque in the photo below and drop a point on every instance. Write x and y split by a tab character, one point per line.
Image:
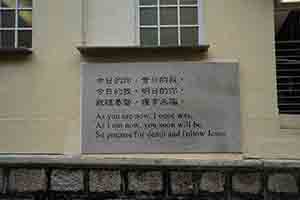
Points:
171	107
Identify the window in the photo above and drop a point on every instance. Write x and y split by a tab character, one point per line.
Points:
170	22
288	58
15	23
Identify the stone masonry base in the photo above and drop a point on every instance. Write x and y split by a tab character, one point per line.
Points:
78	179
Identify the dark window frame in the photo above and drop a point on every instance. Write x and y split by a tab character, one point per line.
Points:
19	35
156	28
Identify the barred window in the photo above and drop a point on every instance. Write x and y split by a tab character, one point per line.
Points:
15	23
288	57
170	22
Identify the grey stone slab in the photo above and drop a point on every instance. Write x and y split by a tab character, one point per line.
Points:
247	183
167	107
282	183
182	182
67	180
212	182
27	180
150	181
104	181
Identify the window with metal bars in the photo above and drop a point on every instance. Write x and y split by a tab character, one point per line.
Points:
15	23
288	64
170	22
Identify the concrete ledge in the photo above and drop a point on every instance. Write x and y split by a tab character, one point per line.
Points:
98	51
54	160
93	161
135	53
281	163
4	52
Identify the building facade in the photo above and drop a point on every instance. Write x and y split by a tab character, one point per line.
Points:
41	87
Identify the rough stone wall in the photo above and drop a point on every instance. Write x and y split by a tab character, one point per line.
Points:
93	183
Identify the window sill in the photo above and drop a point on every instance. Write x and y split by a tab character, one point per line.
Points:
137	51
290	122
4	52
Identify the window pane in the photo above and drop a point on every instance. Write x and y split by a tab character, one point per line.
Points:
8	3
168	2
168	16
25	3
188	2
7	39
25	19
148	2
149	37
7	18
169	36
25	39
189	36
188	16
148	16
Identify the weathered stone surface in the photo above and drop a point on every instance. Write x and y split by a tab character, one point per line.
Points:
145	181
284	183
104	181
224	90
182	182
246	183
67	180
27	180
1	181
212	182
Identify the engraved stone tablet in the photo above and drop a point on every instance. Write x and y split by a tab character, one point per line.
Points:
175	107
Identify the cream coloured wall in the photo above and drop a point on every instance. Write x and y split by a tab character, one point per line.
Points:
110	22
245	30
40	96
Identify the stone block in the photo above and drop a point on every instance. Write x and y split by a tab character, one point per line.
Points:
27	180
283	183
247	183
17	198
212	182
104	181
248	197
145	181
67	180
26	198
182	182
